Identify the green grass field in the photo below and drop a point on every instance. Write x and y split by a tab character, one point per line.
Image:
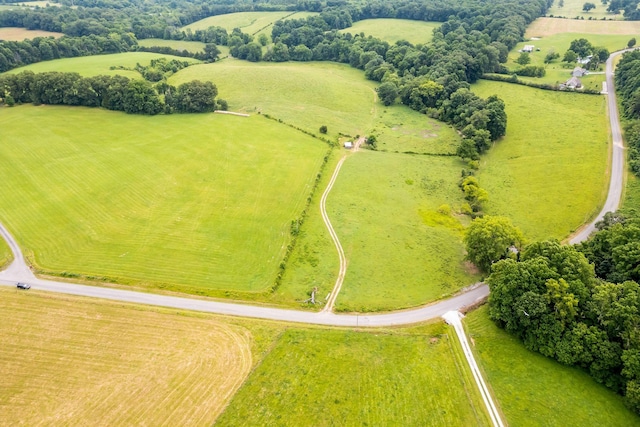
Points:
193	203
307	95
548	174
573	9
69	361
173	44
631	198
401	252
327	378
100	64
559	72
5	254
249	22
533	390
393	30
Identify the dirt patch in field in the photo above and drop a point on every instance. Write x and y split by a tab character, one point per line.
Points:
109	364
542	27
18	34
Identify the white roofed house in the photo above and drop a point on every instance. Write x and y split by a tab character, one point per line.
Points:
528	48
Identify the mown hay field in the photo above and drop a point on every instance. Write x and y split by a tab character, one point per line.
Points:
549	173
324	378
72	361
100	64
248	22
198	203
393	30
544	27
533	390
19	34
174	44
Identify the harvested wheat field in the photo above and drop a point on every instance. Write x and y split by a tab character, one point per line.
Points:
543	27
68	361
18	34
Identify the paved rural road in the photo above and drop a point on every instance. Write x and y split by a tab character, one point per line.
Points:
617	161
18	271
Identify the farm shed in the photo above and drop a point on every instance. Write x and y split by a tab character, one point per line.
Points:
528	48
348	145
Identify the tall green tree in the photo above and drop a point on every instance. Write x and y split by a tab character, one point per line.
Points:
489	238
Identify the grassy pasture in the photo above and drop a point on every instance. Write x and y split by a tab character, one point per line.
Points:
549	173
572	9
392	30
544	27
19	34
331	377
173	44
72	361
533	390
193	203
307	95
401	252
248	22
99	64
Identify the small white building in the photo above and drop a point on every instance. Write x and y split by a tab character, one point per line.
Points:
528	48
348	145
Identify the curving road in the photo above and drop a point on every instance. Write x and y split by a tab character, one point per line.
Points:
616	183
18	271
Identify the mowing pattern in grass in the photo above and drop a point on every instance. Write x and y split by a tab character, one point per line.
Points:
392	30
173	44
66	361
19	34
196	203
99	64
401	252
549	173
326	378
534	390
248	22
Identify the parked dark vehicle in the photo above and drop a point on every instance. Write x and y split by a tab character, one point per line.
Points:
23	285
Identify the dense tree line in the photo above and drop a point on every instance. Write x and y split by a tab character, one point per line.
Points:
559	305
628	87
111	92
16	54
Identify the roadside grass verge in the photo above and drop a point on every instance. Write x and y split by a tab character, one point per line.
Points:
631	199
99	64
548	174
5	254
317	377
393	30
196	203
533	390
18	34
68	360
174	44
